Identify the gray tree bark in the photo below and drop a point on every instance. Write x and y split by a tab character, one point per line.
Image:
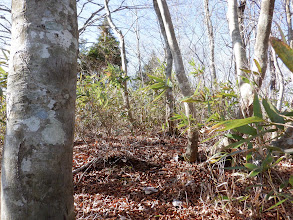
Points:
168	72
37	158
123	61
184	85
262	38
245	89
260	49
289	22
209	25
137	35
273	80
241	11
280	81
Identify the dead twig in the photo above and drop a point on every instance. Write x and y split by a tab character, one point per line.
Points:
84	167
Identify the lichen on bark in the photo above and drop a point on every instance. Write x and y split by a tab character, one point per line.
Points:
37	157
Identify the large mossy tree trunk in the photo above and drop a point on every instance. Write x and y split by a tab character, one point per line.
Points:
184	85
37	158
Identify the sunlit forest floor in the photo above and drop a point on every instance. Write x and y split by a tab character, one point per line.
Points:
117	171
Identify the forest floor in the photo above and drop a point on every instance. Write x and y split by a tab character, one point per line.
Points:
140	177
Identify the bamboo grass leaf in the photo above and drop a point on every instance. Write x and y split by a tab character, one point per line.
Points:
254	173
277	204
234	136
257	65
284	52
160	95
249	72
250	166
158	79
236	123
273	113
158	86
256	107
247	140
246	129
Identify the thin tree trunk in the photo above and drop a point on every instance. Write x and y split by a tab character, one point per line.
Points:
280	81
168	72
241	10
273	74
289	22
123	60
211	41
170	103
184	86
37	158
262	38
137	35
245	89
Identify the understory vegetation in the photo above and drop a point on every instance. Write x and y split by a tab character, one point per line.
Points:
243	169
249	177
138	171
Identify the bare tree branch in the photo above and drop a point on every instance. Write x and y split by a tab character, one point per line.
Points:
4	8
6	28
90	20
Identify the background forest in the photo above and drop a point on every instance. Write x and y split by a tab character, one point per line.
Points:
186	117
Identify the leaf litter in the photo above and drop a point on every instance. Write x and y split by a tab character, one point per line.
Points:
140	177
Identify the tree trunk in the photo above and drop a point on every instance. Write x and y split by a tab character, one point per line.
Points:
123	61
289	22
170	103
137	35
184	86
241	10
245	89
168	72
262	38
37	158
280	81
211	40
273	74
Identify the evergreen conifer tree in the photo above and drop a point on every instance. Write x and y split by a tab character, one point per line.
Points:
99	55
